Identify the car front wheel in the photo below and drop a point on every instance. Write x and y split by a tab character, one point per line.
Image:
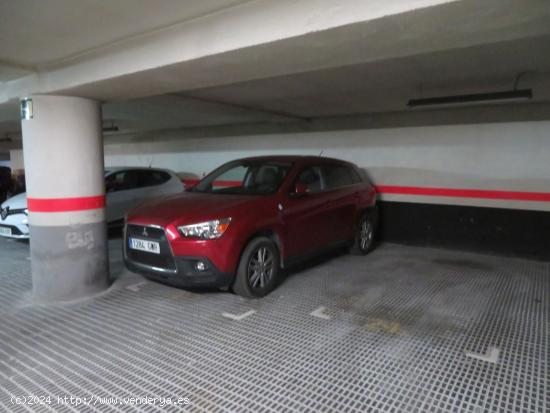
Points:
258	269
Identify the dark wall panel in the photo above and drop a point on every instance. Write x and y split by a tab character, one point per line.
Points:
520	233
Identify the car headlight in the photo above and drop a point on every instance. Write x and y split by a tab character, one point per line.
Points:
205	230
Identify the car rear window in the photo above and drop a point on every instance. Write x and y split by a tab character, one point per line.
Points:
338	176
152	178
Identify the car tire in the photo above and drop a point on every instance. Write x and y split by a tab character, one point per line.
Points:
363	241
258	270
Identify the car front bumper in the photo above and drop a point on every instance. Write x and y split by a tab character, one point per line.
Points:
17	224
177	270
185	273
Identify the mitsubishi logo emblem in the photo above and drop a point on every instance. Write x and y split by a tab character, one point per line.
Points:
4	213
144	233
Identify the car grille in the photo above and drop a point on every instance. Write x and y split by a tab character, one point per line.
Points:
14	230
164	260
6	212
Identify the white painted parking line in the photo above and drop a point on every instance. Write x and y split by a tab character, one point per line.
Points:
491	356
238	317
319	312
135	287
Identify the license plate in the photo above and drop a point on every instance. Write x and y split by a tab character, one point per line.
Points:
147	246
5	231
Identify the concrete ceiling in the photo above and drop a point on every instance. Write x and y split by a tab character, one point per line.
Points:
369	88
387	85
36	33
450	27
174	112
217	48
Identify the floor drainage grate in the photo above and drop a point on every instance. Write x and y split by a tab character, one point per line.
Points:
403	329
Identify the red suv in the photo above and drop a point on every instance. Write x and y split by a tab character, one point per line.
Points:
248	219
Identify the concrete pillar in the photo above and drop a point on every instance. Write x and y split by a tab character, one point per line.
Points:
17	169
17	162
63	152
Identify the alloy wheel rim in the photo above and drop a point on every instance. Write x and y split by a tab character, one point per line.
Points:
260	268
366	234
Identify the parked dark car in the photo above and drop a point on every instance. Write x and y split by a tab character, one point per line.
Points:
248	219
6	184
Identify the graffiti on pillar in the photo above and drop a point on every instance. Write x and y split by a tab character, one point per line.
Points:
80	239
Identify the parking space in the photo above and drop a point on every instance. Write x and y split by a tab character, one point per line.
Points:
403	329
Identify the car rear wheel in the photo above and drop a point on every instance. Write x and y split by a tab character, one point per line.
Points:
364	235
258	269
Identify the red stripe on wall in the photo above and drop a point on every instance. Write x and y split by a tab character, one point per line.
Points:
431	191
465	193
65	204
217	183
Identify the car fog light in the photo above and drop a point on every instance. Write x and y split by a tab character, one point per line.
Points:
200	266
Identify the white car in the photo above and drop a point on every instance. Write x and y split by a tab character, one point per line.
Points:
125	188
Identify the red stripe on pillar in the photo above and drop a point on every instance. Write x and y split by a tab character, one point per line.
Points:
465	193
65	204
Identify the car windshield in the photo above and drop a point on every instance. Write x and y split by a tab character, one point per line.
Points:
245	177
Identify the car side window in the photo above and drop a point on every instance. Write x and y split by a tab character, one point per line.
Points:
338	176
312	178
265	178
232	178
121	181
153	178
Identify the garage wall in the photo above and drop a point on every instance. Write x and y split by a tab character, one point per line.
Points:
494	157
502	167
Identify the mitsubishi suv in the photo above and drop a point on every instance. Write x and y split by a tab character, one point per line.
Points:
248	219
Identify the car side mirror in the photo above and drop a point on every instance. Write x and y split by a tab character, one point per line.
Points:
300	190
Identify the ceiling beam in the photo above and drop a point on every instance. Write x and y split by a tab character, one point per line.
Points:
249	108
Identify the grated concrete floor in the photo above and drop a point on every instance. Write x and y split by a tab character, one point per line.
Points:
405	329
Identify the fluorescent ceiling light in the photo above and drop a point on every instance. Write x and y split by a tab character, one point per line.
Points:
110	128
490	97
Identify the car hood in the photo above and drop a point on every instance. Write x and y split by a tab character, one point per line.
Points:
189	207
16	202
